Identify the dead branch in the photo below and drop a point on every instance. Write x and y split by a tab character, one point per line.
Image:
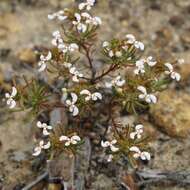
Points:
35	182
152	176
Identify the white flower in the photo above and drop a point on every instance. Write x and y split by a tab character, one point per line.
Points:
68	141
105	44
149	98
59	15
139	45
150	61
10	98
92	20
45	128
111	53
71	104
132	40
138	131
118	53
91	96
110	144
181	61
68	48
43	59
139	67
138	154
76	74
72	47
88	4
57	40
81	27
41	146
174	75
118	81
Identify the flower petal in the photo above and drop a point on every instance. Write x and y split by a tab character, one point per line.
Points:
37	151
63	138
46	146
169	66
105	144
85	92
76	138
74	97
14	92
45	132
75	110
134	149
113	148
39	124
142	89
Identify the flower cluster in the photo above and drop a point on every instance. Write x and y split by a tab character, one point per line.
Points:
116	82
73	140
144	155
140	154
149	98
88	5
91	96
60	15
58	42
138	132
75	74
43	59
10	98
71	104
70	140
83	20
111	52
111	146
140	65
132	40
44	127
40	147
174	75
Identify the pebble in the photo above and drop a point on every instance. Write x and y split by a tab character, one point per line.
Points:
172	114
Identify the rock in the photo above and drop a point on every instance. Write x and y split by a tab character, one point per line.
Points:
172	113
18	156
4	52
176	20
9	23
127	120
155	5
102	182
182	3
27	55
57	116
150	131
82	164
184	70
185	38
63	165
163	36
